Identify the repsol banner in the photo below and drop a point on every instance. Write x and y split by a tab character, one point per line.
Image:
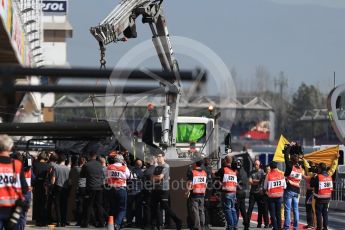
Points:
54	7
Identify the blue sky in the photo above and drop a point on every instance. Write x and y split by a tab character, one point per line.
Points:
303	38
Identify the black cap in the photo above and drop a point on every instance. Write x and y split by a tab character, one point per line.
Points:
296	150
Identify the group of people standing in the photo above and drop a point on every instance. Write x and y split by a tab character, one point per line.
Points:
154	195
134	194
275	190
127	190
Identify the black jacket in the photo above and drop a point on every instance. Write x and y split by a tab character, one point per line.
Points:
93	172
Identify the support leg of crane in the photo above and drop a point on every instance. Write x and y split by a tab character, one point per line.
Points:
159	48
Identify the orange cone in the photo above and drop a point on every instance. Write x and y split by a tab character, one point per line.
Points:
110	223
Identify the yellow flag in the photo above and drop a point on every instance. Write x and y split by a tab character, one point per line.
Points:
326	156
278	155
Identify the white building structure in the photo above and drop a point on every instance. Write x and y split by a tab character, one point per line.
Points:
56	29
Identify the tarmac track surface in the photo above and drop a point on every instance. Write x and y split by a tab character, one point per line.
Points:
336	221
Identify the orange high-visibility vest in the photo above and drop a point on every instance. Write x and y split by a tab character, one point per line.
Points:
28	175
276	183
296	175
117	175
229	180
10	186
325	186
199	181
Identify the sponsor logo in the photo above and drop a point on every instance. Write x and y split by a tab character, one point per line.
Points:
54	6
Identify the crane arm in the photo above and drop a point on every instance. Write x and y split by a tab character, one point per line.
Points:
121	22
161	40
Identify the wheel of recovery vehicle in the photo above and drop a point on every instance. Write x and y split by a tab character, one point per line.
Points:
217	217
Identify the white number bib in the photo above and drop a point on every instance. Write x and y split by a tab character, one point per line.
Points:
9	179
275	184
229	178
199	180
116	174
296	175
325	184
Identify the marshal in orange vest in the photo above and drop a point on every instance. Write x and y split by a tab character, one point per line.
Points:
229	180
199	181
276	184
325	186
296	175
117	175
10	186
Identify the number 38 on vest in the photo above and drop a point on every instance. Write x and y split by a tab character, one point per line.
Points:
325	186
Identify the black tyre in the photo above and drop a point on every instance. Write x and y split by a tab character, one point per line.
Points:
217	217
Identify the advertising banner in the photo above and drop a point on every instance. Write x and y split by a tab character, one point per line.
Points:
54	7
18	36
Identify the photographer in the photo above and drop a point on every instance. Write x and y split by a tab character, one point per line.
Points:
92	171
310	169
118	174
134	194
208	168
41	170
147	193
274	185
228	177
241	190
160	193
60	190
256	179
323	187
293	173
81	190
25	158
196	189
13	189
